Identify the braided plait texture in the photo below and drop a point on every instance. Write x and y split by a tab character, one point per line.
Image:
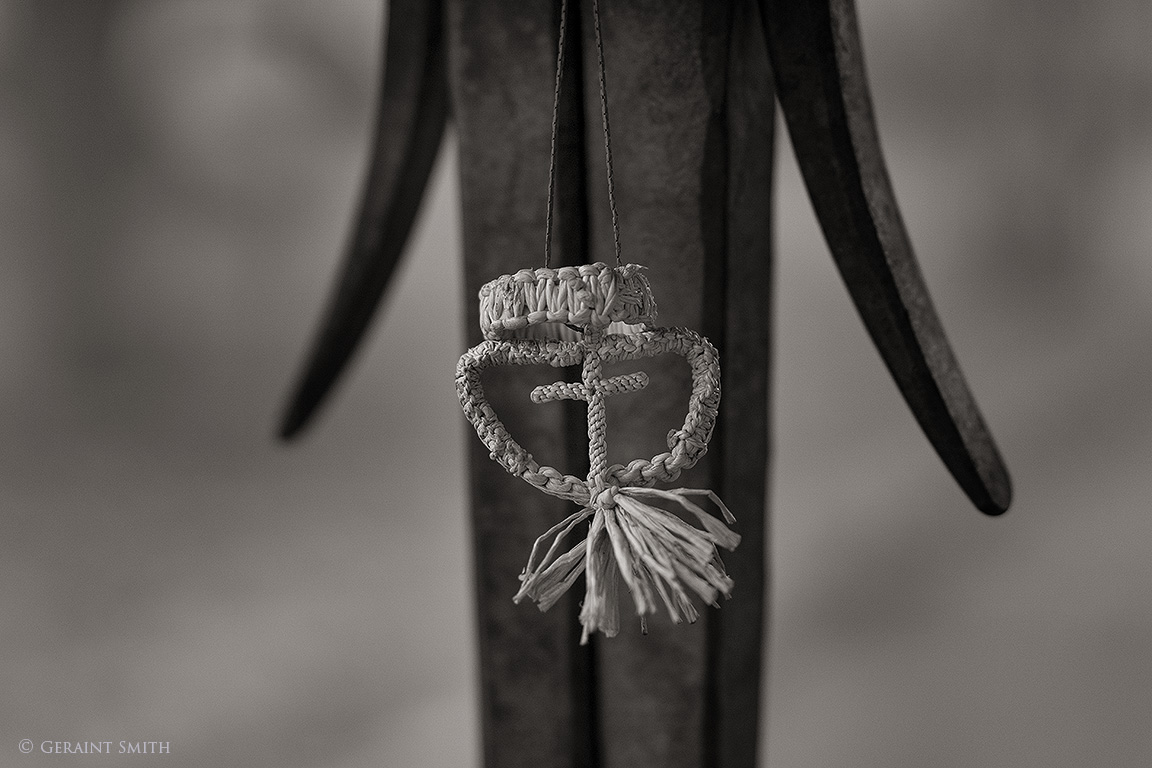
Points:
501	446
591	295
689	443
686	445
593	379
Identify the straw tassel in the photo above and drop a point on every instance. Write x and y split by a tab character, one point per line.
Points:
655	552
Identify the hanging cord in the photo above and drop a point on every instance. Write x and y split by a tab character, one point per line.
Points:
607	132
555	125
555	130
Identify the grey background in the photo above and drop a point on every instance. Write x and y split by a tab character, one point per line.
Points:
176	182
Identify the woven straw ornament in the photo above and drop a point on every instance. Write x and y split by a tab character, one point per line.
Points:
588	316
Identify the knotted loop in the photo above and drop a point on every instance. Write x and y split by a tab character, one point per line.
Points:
606	499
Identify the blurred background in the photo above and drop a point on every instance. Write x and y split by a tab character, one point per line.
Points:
177	179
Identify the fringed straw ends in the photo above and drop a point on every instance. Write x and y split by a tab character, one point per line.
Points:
652	549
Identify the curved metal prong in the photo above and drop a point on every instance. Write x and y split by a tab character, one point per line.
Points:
413	113
823	91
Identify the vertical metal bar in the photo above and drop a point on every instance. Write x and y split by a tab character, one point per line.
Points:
692	110
692	128
535	691
652	687
738	651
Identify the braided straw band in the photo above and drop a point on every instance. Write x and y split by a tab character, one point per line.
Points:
590	296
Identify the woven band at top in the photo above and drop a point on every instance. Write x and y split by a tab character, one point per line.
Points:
588	296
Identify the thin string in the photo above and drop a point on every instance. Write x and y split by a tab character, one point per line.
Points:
555	129
555	125
607	132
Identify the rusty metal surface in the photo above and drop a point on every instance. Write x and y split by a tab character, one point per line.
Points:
413	111
823	91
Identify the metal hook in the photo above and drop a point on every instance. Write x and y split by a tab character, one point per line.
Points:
413	113
819	69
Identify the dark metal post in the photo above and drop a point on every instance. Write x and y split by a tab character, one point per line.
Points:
691	104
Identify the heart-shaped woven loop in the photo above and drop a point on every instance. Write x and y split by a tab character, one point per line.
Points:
685	445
